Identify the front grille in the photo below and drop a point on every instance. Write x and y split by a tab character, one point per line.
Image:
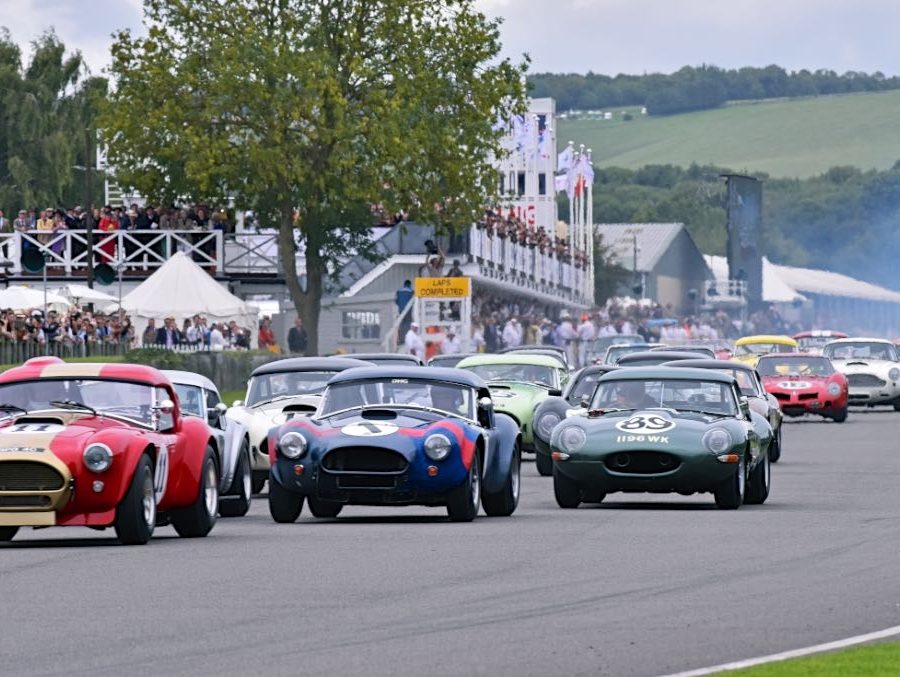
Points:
865	381
642	462
364	460
366	482
807	396
782	396
29	476
24	501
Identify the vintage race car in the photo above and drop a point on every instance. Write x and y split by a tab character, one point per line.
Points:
199	397
750	383
447	360
572	402
278	391
619	350
749	348
555	352
697	350
662	429
397	436
102	445
519	383
813	341
654	358
805	384
388	359
871	368
599	345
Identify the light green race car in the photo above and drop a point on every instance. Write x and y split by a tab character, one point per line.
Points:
518	383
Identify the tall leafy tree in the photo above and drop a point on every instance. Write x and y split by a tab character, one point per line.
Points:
325	107
36	151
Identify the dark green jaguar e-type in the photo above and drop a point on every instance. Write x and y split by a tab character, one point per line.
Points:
663	429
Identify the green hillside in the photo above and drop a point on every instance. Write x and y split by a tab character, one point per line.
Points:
785	138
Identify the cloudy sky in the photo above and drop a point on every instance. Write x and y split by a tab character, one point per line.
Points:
605	36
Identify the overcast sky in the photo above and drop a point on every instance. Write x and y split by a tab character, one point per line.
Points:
604	36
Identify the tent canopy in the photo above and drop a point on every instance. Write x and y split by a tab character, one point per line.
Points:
84	294
23	298
182	289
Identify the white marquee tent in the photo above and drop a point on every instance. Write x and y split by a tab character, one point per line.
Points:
182	289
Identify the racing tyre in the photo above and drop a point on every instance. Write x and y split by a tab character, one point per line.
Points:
8	533
544	464
567	492
503	503
775	448
237	503
199	518
759	483
320	508
463	502
136	514
284	506
896	405
841	415
259	481
730	494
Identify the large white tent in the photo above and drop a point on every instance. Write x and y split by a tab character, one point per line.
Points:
24	298
182	289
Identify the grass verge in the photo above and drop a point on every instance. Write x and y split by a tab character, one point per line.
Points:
875	659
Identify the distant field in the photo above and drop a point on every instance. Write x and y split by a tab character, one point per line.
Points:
785	138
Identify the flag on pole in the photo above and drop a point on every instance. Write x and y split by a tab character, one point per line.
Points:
586	169
564	159
559	182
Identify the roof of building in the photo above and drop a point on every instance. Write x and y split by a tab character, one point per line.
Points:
652	240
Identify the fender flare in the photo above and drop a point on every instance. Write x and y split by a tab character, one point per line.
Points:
497	462
556	405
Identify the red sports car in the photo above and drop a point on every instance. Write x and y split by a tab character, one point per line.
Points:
813	341
805	384
102	445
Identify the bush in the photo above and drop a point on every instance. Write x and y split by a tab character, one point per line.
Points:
156	357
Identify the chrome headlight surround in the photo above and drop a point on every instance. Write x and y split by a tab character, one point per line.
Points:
292	445
572	439
834	389
894	374
437	447
97	457
547	423
717	440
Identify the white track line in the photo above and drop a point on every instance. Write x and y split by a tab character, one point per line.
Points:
795	653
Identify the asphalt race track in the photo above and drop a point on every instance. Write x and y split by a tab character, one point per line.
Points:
641	585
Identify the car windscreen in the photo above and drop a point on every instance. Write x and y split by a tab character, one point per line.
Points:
803	366
680	394
265	387
763	348
585	385
190	399
530	373
808	342
746	382
615	353
129	400
860	350
446	397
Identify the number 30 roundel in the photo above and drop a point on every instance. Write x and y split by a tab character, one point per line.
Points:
645	423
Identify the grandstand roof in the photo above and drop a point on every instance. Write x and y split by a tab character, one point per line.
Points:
652	239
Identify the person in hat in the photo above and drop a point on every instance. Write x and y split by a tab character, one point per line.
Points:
413	342
451	345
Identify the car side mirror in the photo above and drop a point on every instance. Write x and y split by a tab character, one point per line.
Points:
165	407
485	403
585	401
237	403
554	392
745	408
218	410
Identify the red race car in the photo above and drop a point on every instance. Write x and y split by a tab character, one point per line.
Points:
805	384
102	445
813	341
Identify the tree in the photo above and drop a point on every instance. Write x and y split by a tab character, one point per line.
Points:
324	106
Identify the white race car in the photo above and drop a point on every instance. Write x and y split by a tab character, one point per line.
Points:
199	397
871	367
278	391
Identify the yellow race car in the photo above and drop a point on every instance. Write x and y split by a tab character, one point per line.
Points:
750	348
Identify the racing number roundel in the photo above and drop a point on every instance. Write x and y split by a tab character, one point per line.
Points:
369	429
645	423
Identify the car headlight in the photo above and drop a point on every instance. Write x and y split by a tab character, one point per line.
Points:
717	440
292	445
437	447
894	374
834	389
572	439
547	423
97	457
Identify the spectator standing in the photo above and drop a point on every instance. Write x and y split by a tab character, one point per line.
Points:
451	345
512	334
413	342
297	338
402	298
45	224
266	337
108	224
149	336
455	270
168	335
216	338
5	227
491	335
586	334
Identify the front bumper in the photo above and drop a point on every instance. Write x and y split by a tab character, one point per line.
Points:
873	396
33	488
684	473
811	402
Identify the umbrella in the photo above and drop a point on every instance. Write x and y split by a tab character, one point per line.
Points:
85	294
19	298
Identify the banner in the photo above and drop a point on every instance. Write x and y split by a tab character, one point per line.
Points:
443	287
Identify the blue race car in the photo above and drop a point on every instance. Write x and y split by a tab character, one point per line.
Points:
397	436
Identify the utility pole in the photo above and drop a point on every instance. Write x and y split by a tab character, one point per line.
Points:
89	203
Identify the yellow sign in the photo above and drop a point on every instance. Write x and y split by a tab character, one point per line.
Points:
443	287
